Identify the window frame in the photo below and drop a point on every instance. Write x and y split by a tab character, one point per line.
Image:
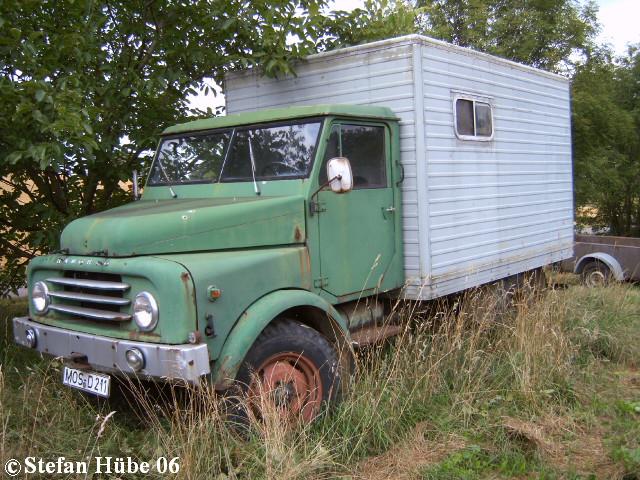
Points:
248	126
473	99
364	123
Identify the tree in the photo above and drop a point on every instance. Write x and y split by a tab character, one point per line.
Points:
606	141
540	33
378	19
86	86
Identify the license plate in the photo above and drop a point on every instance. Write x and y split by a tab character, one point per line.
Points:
86	381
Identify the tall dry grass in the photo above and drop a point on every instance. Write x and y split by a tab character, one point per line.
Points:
456	358
452	364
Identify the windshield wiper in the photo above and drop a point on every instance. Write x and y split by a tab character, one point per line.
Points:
164	172
226	155
253	167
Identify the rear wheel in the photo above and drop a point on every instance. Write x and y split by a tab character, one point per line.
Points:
526	282
523	287
596	274
291	368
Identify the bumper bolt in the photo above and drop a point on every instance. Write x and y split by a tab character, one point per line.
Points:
193	337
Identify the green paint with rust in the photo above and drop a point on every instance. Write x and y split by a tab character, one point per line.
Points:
243	276
358	236
188	225
288	113
169	282
255	319
266	253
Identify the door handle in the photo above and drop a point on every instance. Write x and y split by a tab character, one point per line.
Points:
401	173
386	212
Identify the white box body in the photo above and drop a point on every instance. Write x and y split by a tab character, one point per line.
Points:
473	211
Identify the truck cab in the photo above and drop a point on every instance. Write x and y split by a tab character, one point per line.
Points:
244	259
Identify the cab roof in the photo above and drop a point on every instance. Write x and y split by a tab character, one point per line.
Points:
279	114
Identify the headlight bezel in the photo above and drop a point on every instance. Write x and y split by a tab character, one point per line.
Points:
135	359
141	299
41	286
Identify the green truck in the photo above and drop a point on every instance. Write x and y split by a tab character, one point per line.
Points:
267	243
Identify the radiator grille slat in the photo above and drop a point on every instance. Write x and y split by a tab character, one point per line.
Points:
93	284
90	296
92	313
86	297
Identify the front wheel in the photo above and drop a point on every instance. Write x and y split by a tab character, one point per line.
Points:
293	367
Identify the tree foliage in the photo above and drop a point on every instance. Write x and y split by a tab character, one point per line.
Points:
378	19
540	33
86	86
606	140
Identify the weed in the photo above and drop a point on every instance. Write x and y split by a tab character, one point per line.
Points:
469	388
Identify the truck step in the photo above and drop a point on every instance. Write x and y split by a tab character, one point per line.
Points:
374	334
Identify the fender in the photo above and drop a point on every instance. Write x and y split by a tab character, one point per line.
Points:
608	260
254	319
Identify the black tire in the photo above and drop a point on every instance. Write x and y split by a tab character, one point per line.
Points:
596	274
299	348
522	287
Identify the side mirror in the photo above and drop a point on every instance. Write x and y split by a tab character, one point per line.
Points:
339	175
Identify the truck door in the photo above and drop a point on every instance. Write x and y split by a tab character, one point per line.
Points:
357	233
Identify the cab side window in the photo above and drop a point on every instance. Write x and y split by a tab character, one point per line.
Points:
364	146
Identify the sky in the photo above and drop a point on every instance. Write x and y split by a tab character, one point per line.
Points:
619	21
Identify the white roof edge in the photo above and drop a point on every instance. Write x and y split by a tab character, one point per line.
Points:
416	38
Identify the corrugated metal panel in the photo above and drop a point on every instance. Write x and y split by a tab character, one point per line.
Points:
500	207
473	212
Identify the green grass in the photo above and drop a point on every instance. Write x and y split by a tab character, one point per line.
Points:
474	460
550	390
9	354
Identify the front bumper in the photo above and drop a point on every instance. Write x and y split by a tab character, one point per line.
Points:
172	362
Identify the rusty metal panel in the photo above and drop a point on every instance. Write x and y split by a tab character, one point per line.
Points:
106	354
625	250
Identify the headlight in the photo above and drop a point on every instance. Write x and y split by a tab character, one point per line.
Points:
145	311
40	297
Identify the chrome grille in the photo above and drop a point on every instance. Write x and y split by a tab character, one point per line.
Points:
93	296
95	284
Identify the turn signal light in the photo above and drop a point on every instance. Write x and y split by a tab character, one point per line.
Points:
214	293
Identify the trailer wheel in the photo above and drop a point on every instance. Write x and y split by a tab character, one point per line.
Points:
596	274
292	367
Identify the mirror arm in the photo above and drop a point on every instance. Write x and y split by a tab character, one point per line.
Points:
134	181
313	206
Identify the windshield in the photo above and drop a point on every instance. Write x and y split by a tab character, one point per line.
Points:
270	152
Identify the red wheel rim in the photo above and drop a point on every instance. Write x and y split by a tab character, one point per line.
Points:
292	382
